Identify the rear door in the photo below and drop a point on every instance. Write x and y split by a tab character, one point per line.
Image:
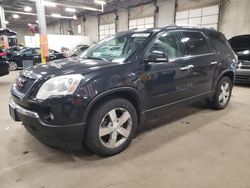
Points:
26	59
201	60
223	52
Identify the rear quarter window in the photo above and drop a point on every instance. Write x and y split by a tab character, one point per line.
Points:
219	43
195	42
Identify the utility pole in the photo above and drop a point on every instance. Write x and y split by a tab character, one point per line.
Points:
3	25
42	30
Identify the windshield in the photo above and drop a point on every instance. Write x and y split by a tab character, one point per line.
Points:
116	48
20	52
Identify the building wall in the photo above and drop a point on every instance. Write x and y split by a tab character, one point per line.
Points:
166	13
21	32
235	18
122	24
192	4
91	28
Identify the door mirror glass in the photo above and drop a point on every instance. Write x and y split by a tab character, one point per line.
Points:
157	57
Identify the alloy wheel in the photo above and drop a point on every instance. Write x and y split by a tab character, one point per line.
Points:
224	93
13	65
115	127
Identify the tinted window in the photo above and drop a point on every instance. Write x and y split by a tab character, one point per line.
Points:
218	42
28	52
36	51
170	44
196	43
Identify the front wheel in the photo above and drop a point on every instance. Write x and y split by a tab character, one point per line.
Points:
13	65
222	94
111	127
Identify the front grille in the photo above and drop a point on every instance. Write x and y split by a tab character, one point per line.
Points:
245	67
242	77
23	84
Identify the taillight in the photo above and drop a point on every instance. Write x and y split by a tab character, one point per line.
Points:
3	54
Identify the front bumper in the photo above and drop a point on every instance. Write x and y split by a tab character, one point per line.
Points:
63	136
242	76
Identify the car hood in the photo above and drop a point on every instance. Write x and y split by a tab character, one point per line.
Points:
69	66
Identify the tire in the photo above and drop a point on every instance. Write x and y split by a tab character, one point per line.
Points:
13	65
222	94
107	133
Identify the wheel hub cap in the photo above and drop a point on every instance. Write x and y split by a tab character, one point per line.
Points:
224	93
115	127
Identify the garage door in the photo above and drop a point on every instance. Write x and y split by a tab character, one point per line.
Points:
106	30
141	23
141	17
207	17
106	25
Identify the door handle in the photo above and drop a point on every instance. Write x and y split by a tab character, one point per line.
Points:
214	63
186	67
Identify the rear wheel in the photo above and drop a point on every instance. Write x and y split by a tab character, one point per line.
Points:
222	94
111	127
13	65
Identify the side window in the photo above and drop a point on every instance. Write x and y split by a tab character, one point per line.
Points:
170	44
196	43
28	52
218	42
36	51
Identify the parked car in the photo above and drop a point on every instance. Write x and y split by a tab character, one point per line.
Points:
4	65
79	49
4	68
103	100
13	49
3	54
241	46
31	56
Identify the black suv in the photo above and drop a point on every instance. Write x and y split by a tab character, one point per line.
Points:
101	98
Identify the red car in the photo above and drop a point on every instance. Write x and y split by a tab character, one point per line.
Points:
4	65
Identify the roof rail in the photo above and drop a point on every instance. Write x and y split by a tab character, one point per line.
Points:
189	26
133	29
171	25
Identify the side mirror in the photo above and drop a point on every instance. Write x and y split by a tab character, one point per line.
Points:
157	57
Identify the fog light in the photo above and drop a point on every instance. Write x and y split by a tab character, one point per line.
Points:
51	116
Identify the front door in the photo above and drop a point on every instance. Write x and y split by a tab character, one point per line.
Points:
36	56
166	83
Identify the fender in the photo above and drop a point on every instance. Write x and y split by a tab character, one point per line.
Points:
110	92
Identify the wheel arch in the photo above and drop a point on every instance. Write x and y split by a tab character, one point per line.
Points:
228	73
129	93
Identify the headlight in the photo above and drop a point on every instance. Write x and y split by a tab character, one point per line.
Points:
60	85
